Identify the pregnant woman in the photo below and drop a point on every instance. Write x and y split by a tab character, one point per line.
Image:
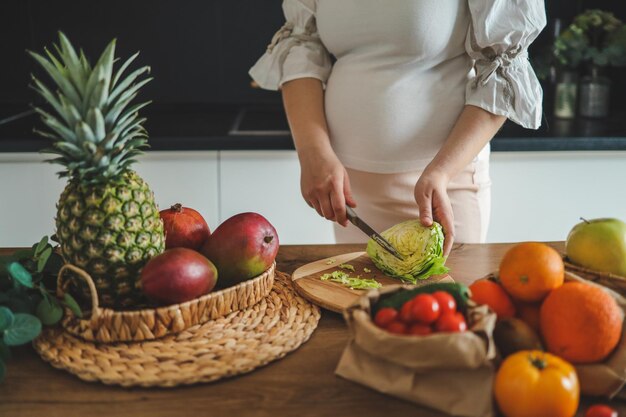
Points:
392	104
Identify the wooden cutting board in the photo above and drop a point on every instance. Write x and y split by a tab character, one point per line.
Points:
334	296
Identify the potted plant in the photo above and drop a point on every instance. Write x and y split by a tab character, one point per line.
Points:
595	40
27	300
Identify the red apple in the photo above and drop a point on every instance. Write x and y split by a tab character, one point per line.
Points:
178	275
242	247
184	227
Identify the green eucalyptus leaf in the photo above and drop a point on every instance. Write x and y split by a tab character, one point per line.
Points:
20	274
3	370
6	318
71	303
5	352
43	259
25	328
49	311
41	245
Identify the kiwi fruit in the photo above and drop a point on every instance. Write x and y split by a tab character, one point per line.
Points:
512	335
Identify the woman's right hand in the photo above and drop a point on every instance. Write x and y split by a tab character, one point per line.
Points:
325	184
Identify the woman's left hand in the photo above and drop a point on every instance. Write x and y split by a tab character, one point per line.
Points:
432	199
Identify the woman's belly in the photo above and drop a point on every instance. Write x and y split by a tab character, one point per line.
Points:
398	84
393	120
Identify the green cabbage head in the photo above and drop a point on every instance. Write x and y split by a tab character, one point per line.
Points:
421	247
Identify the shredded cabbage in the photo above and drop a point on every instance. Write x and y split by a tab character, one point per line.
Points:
355	283
347	267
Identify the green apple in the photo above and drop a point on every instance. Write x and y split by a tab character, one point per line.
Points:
598	244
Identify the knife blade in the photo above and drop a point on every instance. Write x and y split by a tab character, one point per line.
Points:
367	229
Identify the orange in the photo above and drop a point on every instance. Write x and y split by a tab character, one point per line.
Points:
530	270
488	292
529	314
581	322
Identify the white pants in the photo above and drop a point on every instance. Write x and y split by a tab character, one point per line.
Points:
387	199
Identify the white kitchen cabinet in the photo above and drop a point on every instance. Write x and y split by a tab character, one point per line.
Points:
542	195
186	177
535	195
268	182
29	190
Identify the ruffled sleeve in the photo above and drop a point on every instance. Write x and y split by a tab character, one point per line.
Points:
295	51
498	38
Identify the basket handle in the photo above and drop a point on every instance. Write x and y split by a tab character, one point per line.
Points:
61	284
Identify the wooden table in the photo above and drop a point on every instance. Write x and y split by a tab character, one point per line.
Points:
302	384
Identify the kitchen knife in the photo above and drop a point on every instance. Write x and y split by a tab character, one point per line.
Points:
365	228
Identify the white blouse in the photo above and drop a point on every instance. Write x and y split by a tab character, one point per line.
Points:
404	69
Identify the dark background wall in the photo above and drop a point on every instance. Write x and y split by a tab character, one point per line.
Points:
199	50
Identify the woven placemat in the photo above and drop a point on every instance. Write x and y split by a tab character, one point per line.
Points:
231	345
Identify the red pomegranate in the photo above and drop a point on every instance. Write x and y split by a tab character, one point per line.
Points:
178	275
184	228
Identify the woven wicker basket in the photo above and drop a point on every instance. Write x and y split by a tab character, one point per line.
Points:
109	326
615	282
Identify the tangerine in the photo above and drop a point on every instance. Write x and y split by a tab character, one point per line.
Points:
488	292
530	270
581	322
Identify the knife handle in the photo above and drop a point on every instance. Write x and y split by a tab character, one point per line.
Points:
351	214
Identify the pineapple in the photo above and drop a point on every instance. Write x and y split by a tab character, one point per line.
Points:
107	221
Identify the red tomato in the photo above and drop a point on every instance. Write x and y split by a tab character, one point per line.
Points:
406	314
451	322
425	309
397	327
600	410
447	303
419	329
385	316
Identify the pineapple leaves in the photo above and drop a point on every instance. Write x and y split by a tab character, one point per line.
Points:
100	94
85	62
54	60
72	63
47	95
125	98
123	86
102	71
131	112
123	68
96	121
66	87
84	132
47	135
126	130
56	126
69	150
94	126
72	113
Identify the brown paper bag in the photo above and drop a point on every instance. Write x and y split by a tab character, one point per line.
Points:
450	372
